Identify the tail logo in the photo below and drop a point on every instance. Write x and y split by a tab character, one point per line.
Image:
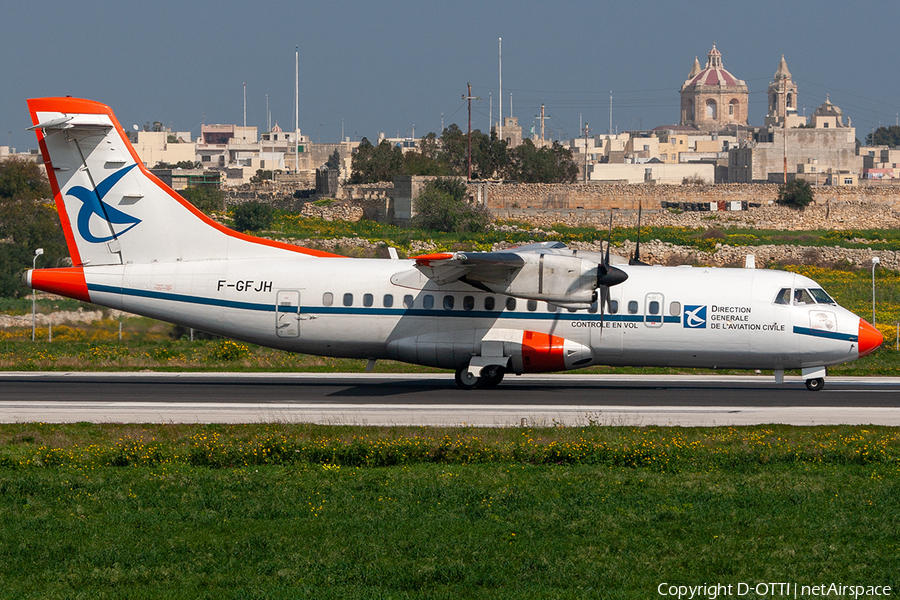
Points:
92	204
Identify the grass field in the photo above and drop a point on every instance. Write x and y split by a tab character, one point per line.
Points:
299	511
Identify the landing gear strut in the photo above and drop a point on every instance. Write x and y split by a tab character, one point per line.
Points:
491	375
815	385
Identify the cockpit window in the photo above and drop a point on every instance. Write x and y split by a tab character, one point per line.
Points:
802	296
820	296
783	296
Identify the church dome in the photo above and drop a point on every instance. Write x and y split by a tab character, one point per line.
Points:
714	74
827	109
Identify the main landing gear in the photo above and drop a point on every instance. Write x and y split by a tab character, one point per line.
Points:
491	375
815	385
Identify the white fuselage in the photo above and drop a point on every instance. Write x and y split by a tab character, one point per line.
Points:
662	316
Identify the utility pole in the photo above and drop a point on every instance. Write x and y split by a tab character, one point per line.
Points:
500	97
784	128
587	131
542	117
296	108
470	97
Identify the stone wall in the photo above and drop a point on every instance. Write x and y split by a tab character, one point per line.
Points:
594	196
838	215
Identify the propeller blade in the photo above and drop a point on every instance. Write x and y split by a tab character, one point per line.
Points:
636	257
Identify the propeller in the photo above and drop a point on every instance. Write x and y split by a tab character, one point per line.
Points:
607	276
636	257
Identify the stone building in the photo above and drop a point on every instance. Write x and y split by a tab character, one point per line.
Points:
822	152
712	98
783	99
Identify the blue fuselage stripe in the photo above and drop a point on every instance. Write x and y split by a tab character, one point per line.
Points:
831	335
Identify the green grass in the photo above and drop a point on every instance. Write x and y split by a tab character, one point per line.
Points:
757	504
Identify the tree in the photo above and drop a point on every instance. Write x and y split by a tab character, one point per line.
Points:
261	176
371	164
28	220
530	164
252	216
884	136
334	161
796	194
207	198
442	206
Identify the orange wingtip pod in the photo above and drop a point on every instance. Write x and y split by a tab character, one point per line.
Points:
67	282
426	259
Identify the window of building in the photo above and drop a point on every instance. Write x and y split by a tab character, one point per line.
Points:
428	301
468	302
408	301
368	300
348	299
848	181
327	299
632	307
388	301
448	302
489	303
711	109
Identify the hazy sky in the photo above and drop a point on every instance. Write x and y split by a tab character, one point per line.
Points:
393	65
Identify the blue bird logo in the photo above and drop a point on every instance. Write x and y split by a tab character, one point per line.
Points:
92	204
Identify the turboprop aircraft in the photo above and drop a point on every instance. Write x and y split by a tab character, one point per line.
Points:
137	246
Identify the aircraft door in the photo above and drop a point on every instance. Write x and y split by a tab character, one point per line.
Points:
653	309
287	313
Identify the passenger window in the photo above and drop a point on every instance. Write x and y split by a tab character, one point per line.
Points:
552	308
428	301
510	304
675	309
468	302
654	307
820	296
572	309
448	302
489	303
388	301
348	299
632	307
802	296
368	300
327	299
408	301
532	305
613	306
593	308
784	296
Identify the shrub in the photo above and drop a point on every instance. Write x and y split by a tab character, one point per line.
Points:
207	198
796	194
229	350
442	206
252	216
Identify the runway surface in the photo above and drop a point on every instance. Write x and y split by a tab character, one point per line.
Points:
415	399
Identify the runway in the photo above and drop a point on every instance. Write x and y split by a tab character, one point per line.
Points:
415	399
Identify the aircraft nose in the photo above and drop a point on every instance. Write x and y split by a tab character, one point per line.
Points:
869	338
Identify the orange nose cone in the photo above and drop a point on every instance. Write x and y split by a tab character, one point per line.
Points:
869	338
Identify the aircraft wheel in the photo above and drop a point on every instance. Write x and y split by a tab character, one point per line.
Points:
815	385
492	375
465	380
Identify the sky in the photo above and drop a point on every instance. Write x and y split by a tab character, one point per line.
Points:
401	67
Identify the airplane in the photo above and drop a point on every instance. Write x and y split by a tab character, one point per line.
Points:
137	246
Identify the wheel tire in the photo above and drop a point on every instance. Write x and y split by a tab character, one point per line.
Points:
465	380
815	385
492	375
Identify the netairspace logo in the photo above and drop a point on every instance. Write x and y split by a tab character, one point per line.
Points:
772	590
694	316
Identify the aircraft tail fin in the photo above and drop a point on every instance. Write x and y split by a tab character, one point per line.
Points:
113	210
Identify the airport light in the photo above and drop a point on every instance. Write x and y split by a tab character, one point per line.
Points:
37	253
875	261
